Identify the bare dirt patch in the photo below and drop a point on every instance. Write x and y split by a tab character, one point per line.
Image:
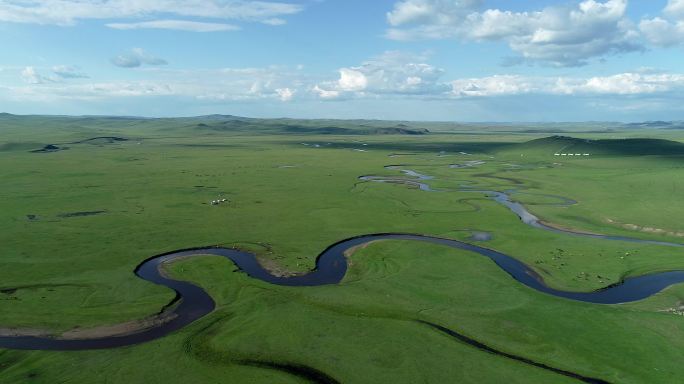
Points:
121	329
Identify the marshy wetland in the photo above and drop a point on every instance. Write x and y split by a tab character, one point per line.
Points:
573	287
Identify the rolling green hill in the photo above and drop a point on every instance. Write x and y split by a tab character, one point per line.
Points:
564	146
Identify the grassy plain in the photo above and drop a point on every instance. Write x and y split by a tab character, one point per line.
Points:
293	191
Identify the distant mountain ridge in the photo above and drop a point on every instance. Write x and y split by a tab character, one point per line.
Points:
237	124
221	123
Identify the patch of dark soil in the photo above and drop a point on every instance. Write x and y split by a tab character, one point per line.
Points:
80	214
481	236
100	140
49	148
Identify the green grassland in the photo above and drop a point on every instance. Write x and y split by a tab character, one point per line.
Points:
77	221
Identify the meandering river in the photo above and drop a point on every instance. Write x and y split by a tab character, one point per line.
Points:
331	266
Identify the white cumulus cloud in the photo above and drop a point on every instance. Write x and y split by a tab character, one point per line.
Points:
68	72
136	58
205	85
31	76
675	8
285	94
629	83
70	12
431	12
326	94
390	73
667	30
352	80
557	35
496	85
623	84
179	25
389	76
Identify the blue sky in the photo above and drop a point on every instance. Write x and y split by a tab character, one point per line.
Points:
459	60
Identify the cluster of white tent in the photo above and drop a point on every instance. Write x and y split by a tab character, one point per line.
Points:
219	201
571	154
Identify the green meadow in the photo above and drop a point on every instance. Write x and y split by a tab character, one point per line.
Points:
78	217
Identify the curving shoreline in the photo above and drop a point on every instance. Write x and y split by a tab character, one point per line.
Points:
331	266
504	198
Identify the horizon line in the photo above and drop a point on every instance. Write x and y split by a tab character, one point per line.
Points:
340	119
